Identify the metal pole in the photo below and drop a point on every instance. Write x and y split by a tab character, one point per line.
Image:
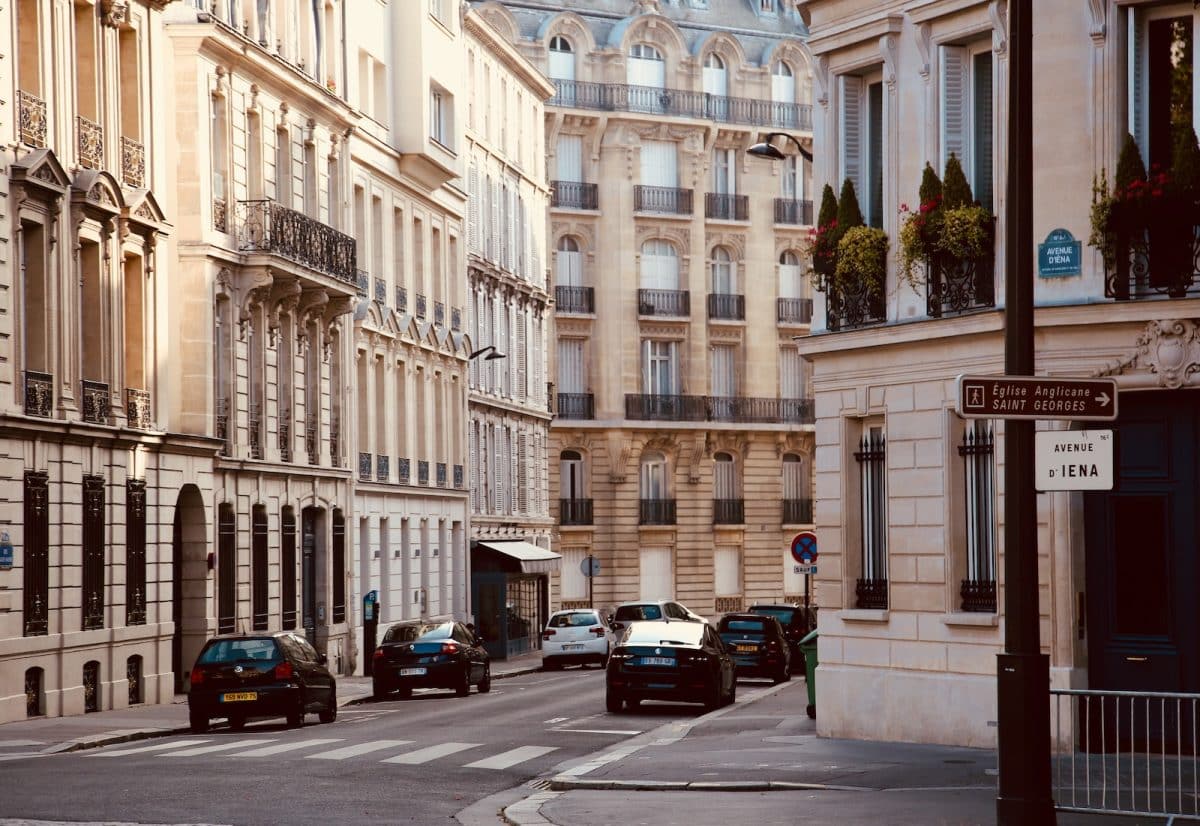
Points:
1023	672
591	578
807	601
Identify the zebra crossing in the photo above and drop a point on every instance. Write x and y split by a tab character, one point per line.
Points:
394	752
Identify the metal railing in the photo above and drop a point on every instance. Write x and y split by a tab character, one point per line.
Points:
90	143
727	307
662	199
624	97
284	435
312	426
220	215
364	466
728	605
222	426
665	303
854	303
575	299
458	477
729	511
32	114
957	285
97	401
265	226
574	195
576	406
255	424
794	310
335	443
440	474
792	211
403	470
402	299
656	511
383	468
744	409
133	162
724	207
1164	260
575	511
422	472
137	409
1126	752
39	394
871	593
439	312
422	306
797	511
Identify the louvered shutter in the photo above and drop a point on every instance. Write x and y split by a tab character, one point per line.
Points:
493	370
1136	68
982	130
539	361
473	213
521	365
494	246
790	378
473	470
569	158
850	127
523	476
953	95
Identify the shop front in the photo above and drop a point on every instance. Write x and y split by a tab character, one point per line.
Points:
510	593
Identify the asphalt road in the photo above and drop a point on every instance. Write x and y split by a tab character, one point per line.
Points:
403	761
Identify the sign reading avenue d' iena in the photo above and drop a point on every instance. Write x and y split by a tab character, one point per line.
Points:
1037	397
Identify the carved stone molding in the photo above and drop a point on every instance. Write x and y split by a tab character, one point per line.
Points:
998	12
1171	350
114	13
620	448
1098	29
887	50
924	38
821	77
735	241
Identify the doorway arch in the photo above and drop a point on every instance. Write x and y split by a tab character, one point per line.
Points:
190	585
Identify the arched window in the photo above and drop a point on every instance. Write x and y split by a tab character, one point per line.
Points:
724	275
654	476
646	67
724	476
568	263
783	94
572	480
791	281
716	83
659	265
796	482
562	59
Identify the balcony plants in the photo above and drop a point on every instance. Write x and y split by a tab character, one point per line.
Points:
823	244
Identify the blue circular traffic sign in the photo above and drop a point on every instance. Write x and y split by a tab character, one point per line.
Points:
804	548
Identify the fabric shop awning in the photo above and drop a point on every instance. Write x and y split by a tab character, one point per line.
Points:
530	558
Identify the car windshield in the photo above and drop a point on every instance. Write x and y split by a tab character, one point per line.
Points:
784	615
683	633
228	651
574	619
748	626
413	633
632	613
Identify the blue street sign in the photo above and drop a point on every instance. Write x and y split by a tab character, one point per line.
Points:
1060	254
590	566
6	552
370	598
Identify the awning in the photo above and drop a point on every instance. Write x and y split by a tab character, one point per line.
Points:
531	558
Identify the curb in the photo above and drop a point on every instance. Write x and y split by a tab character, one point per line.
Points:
564	784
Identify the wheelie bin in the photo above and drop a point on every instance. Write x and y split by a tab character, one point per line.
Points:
808	646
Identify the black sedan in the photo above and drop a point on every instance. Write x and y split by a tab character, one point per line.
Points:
430	655
796	621
672	660
261	675
759	646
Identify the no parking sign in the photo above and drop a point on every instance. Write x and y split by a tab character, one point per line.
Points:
804	552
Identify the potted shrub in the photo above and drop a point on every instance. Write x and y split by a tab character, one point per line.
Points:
920	228
860	274
823	245
1173	199
965	231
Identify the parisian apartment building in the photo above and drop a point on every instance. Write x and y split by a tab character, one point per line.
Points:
681	450
909	495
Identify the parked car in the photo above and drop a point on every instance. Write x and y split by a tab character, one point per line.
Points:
661	609
758	645
575	636
430	655
796	620
673	660
240	676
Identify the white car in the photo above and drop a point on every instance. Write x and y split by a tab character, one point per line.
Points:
578	635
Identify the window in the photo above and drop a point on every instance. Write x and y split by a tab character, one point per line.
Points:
861	143
1163	93
570	367
796	481
135	552
220	162
871	589
259	567
978	590
94	562
660	368
724	477
659	265
656	574
568	263
727	570
338	564
35	582
283	166
791	276
724	276
572	479
441	124
724	376
654	476
725	171
659	164
766	6
287	567
967	118
568	156
435	8
647	69
226	570
716	80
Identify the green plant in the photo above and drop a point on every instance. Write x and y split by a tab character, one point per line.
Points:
849	214
823	244
920	228
1102	237
1131	172
966	232
862	257
1185	165
955	189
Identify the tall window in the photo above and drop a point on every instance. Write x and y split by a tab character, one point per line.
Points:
977	450
797	492
571	476
94	562
219	136
259	567
283	165
338	562
287	567
967	117
654	476
568	156
226	570
872	588
135	552
646	66
659	265
568	263
725	488
727	570
724	378
725	171
861	135
1163	92
660	369
440	123
791	276
571	366
35	580
716	87
562	59
724	274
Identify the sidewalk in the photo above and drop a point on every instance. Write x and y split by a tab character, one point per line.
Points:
52	735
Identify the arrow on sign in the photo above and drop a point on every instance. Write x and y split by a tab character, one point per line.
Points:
1103	399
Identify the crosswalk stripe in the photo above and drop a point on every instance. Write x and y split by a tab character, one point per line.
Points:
413	758
280	748
511	757
357	749
226	746
174	744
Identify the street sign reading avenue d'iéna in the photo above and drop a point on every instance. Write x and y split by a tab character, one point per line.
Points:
1036	397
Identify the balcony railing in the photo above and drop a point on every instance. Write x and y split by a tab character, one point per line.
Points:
1163	261
574	195
656	511
39	394
137	409
727	307
871	593
311	428
955	285
978	595
458	477
576	406
383	468
422	472
255	429
33	118
791	211
794	310
662	199
797	511
222	417
440	474
729	511
853	304
623	97
133	162
575	299
724	207
97	402
575	511
265	226
284	435
743	409
675	303
364	466
91	143
335	443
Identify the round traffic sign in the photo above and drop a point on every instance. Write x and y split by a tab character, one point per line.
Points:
804	548
590	566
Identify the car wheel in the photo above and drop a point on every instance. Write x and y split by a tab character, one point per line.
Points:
485	685
714	698
405	692
733	693
550	665
198	722
329	714
295	717
613	702
780	676
464	685
237	722
379	690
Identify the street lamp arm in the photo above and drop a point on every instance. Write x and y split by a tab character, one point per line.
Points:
767	149
492	353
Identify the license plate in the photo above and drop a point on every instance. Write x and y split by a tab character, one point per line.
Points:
667	661
238	696
572	646
412	672
747	649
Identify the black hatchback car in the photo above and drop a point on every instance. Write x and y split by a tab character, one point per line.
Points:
796	620
430	655
672	660
242	676
758	645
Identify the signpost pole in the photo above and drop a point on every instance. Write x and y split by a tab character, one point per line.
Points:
807	593
591	578
1023	672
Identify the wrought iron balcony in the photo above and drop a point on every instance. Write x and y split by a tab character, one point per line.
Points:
656	511
39	394
792	211
32	114
265	226
575	511
575	299
1165	260
623	97
729	511
222	416
91	143
662	199
455	319
380	291
854	304
255	431
311	428
955	285
133	162
422	306
574	195
794	310
675	303
441	474
335	440
871	593
743	409
383	468
422	472
364	466
439	313
97	402
137	409
978	595
403	470
797	511
220	215
724	207
458	477
401	299
284	434
727	307
576	406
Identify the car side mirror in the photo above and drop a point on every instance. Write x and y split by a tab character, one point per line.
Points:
479	640
322	659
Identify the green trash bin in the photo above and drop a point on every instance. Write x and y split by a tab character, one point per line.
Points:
808	646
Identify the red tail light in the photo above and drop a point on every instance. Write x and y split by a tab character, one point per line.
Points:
284	671
598	631
548	633
449	648
197	676
378	655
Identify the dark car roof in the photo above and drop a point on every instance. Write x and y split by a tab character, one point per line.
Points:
747	615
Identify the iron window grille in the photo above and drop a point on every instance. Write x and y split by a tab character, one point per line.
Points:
380	291
226	571
872	588
383	468
91	686
729	511
439	313
287	566
656	511
422	472
978	590
422	304
39	394
135	552
133	678
403	470
36	573
93	552
339	567
575	511
97	401
458	477
441	474
259	566
364	466
402	299
797	511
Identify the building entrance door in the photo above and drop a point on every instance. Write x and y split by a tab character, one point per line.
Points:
308	573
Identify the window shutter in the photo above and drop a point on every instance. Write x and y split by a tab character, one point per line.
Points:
474	468
790	378
522	386
570	158
982	129
493	370
1136	67
494	246
523	473
953	94
473	215
850	127
538	349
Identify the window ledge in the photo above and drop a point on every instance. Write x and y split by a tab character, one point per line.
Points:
971	618
863	615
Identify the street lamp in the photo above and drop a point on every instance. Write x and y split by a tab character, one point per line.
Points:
767	149
492	353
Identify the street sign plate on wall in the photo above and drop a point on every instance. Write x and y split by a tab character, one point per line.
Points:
1036	397
1073	460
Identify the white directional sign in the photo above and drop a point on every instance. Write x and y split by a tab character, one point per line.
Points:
804	569
1073	460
